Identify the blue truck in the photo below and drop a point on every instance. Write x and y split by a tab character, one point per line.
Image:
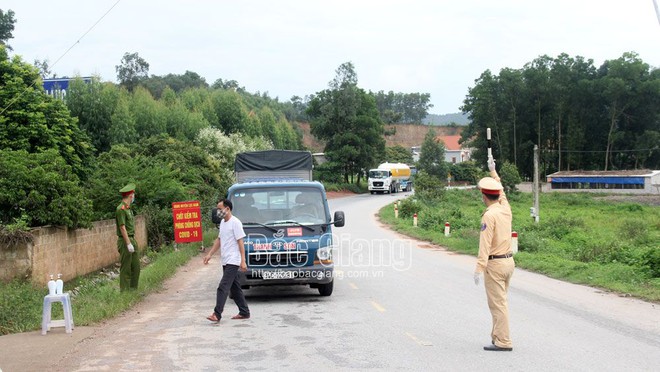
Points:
286	218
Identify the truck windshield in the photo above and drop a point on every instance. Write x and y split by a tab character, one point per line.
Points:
272	206
378	174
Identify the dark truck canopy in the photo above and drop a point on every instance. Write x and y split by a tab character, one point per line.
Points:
272	164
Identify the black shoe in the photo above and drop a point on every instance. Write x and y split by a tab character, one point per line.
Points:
497	348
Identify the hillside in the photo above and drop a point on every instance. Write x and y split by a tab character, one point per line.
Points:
458	118
407	135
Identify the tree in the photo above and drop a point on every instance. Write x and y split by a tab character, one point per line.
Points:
230	111
42	188
402	107
123	127
33	121
44	69
178	83
398	154
6	27
93	103
432	156
132	70
346	117
509	176
577	114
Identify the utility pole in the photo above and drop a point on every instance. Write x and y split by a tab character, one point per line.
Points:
537	185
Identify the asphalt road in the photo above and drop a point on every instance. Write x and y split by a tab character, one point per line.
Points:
397	304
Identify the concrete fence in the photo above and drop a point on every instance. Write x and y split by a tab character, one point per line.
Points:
70	252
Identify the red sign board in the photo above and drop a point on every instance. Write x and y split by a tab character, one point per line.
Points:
187	221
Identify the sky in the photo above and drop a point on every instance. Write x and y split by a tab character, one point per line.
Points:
288	47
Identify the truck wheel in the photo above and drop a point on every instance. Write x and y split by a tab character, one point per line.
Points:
326	289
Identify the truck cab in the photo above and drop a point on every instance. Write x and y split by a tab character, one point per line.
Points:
287	221
389	178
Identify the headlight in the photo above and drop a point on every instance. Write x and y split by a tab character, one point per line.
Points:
324	254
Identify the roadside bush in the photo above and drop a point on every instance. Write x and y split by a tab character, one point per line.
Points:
636	230
436	215
651	260
601	251
42	187
428	188
531	241
351	187
328	172
559	227
408	207
509	176
466	171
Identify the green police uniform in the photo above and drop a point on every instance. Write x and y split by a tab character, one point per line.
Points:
129	274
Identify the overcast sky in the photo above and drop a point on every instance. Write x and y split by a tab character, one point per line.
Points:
287	47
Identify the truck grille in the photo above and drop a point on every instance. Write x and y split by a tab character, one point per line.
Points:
278	259
378	184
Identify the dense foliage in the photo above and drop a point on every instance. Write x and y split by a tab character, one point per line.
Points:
402	107
41	189
432	157
581	117
346	117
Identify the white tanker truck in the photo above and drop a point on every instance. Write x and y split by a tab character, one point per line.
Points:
390	178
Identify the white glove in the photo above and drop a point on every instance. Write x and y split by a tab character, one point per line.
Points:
477	278
130	248
491	164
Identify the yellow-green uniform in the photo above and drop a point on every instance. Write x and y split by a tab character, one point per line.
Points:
129	274
495	260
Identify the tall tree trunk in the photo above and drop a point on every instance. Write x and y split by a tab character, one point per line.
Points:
559	143
609	137
515	146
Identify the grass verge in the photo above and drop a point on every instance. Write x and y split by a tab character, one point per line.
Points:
581	238
96	297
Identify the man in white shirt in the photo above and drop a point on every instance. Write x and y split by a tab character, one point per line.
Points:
232	254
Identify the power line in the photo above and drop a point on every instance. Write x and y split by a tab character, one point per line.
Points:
62	56
583	151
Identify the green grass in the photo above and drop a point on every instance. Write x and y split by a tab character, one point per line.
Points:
95	296
352	187
580	238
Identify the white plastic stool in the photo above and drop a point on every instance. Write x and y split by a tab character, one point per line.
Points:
67	322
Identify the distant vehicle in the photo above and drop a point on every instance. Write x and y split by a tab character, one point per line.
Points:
390	178
286	218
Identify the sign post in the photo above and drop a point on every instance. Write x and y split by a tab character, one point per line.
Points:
187	221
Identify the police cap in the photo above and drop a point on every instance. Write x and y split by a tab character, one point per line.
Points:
128	189
488	185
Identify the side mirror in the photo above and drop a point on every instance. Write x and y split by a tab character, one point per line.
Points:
215	217
339	219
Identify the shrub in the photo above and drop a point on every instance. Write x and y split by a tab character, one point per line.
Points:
42	187
428	188
509	176
559	227
466	171
635	229
531	241
651	260
408	207
329	172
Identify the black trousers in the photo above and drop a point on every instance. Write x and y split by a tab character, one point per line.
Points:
229	282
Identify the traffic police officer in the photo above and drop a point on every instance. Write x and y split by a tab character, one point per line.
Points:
129	273
495	260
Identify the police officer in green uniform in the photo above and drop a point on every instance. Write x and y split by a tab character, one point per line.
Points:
126	245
